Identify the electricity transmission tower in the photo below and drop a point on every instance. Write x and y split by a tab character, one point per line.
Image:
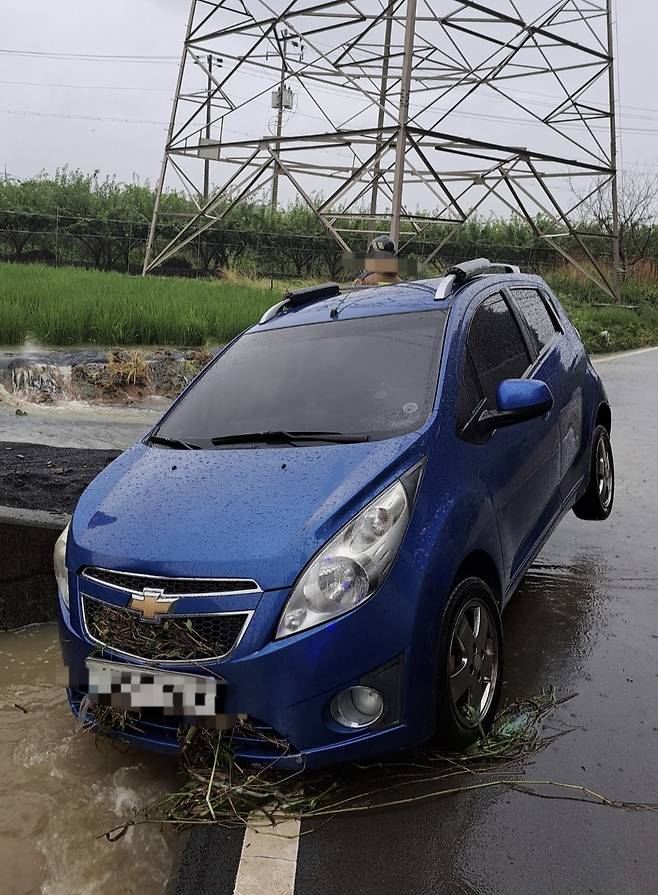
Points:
210	61
408	113
282	99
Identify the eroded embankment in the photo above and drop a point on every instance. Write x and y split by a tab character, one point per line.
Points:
41	376
39	487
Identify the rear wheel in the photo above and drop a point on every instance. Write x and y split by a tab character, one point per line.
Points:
596	502
470	668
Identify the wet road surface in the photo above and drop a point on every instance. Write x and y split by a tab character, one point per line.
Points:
584	620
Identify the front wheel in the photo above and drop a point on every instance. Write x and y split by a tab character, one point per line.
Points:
470	665
596	502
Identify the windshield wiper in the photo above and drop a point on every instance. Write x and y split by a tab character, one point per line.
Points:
281	437
173	443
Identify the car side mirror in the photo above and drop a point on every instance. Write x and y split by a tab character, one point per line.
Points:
517	400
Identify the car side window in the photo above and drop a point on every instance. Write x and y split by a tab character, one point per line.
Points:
541	324
496	346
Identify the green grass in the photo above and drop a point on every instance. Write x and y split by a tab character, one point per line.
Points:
67	306
626	327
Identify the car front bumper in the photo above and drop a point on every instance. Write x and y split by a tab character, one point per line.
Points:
285	687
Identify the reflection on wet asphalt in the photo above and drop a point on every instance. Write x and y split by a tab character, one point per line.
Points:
60	791
550	625
585	620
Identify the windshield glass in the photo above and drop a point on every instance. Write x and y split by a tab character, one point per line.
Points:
371	377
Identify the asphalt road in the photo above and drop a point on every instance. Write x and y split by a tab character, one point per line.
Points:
585	620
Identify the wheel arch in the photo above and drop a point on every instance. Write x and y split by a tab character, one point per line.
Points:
478	563
604	417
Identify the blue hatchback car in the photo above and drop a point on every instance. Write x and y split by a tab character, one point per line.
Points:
315	544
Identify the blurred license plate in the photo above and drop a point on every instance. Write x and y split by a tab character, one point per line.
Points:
133	687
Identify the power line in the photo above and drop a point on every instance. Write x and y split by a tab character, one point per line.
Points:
476	115
26	114
86	86
90	57
644	132
549	99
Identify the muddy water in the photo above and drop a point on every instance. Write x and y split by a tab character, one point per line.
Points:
78	425
60	791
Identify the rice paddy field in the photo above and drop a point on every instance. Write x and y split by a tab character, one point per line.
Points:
70	306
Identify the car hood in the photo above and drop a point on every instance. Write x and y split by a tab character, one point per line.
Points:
252	513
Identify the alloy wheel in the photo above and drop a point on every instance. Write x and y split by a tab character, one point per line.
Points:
473	662
604	474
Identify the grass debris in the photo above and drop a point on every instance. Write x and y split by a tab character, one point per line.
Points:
170	640
220	790
128	368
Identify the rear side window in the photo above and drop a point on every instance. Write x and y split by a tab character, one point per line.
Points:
536	314
496	346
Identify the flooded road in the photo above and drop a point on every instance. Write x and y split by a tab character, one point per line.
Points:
79	425
59	791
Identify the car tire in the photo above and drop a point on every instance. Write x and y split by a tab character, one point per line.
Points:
470	665
596	502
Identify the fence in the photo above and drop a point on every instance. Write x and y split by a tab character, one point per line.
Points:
62	239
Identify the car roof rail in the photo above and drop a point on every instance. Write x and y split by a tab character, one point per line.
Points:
459	274
294	298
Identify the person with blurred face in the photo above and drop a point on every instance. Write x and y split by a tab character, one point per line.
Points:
381	263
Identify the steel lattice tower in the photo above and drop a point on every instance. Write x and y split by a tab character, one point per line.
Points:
456	105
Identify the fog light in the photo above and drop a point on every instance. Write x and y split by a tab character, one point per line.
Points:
357	707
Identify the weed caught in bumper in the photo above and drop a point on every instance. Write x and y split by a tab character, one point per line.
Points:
220	790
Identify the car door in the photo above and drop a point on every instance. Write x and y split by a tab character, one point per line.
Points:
574	427
561	362
549	348
519	466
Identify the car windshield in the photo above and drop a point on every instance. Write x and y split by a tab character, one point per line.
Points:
363	379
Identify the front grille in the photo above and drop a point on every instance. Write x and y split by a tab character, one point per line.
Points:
177	638
177	587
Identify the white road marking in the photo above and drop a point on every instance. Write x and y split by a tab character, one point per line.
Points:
602	359
268	862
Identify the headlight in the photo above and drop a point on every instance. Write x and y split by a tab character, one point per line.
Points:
350	567
61	572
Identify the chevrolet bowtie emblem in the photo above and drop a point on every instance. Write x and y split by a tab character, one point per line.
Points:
151	603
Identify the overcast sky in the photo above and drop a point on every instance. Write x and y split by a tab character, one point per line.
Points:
110	115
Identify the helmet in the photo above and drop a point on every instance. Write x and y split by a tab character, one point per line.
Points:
382	244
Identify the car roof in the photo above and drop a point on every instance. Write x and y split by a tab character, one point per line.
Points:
400	298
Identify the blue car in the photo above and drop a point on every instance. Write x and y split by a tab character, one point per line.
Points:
314	546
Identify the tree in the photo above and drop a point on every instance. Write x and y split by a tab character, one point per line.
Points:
27	210
638	226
